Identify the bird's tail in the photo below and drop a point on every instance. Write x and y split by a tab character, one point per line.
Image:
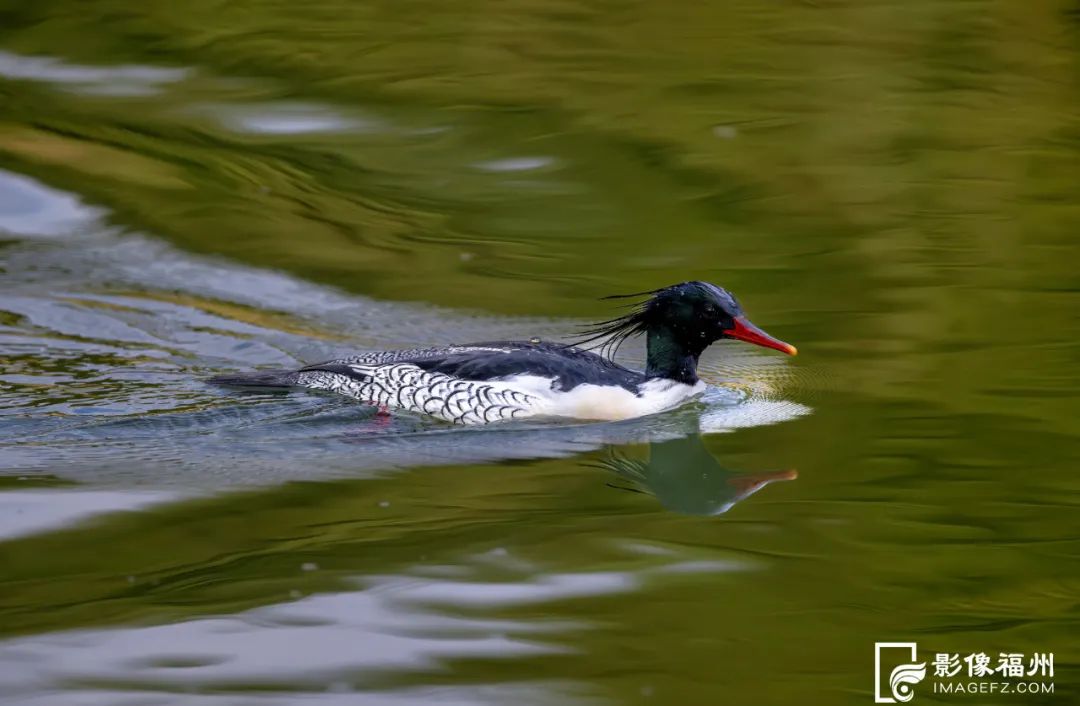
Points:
264	379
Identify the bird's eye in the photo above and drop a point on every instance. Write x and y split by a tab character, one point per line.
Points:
710	309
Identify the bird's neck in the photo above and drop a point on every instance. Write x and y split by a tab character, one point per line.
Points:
669	356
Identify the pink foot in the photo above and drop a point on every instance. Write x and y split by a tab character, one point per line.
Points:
382	417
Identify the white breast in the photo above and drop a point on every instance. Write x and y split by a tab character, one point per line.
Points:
607	402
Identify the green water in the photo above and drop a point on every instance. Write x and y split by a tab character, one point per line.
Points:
190	189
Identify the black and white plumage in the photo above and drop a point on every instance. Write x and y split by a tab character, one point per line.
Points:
481	383
411	380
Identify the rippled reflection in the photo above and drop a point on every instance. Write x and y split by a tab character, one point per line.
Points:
125	80
685	477
314	595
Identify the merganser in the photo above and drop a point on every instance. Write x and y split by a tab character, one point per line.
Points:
481	383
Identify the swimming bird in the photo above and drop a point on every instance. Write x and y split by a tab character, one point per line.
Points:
481	383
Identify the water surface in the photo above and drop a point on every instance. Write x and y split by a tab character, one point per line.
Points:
189	191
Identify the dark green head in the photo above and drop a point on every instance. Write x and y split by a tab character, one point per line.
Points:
680	322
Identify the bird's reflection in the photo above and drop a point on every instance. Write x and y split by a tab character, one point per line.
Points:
686	478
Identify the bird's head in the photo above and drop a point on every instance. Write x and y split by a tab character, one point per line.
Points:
693	315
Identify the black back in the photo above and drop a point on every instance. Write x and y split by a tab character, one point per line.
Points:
569	366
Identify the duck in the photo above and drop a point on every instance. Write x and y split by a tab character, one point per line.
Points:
490	382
